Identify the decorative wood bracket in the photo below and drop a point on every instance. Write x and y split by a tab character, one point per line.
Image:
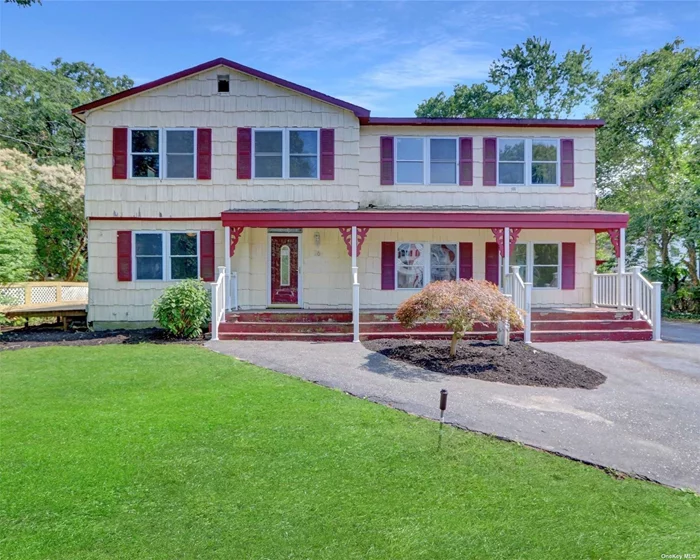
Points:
514	233
235	236
346	232
615	240
499	234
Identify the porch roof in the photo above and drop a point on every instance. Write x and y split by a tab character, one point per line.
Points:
473	219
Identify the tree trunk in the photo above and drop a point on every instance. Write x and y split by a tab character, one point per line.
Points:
453	345
665	243
692	261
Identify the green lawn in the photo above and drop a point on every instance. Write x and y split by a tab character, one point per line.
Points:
173	452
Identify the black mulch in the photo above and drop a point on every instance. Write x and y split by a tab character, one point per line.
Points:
42	335
519	364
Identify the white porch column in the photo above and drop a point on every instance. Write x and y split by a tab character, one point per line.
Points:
507	289
621	293
227	262
355	290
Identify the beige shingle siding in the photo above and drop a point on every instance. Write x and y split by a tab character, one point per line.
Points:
582	195
194	103
114	301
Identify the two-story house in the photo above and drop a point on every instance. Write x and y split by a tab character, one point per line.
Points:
312	204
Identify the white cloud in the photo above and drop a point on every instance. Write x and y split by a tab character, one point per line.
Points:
230	29
440	64
641	25
604	9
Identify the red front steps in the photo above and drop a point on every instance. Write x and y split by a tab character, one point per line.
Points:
548	325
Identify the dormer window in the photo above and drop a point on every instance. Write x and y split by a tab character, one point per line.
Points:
222	83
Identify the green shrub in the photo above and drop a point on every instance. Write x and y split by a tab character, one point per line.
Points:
184	309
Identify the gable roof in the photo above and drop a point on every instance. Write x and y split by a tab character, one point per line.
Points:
360	112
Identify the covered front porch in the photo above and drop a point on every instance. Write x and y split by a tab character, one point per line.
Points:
372	260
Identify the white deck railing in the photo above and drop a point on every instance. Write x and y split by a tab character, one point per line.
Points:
630	290
521	292
218	302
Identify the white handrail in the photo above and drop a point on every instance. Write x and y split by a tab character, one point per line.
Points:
630	291
218	302
521	292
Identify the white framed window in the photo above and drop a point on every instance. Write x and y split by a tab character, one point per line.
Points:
180	153
184	255
160	255
528	161
540	263
285	153
417	264
148	145
411	155
144	152
443	161
409	161
149	255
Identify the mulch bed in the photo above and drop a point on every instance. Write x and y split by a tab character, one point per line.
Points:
519	364
42	335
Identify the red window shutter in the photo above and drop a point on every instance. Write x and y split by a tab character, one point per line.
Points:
120	152
492	262
466	162
206	256
490	147
124	256
466	261
244	149
327	154
567	162
568	266
388	265
204	154
386	161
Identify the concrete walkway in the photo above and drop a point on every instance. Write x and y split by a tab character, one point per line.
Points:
644	419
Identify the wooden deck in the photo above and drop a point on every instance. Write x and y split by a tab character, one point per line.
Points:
62	300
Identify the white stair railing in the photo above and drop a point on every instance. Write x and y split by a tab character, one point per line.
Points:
218	302
630	291
521	292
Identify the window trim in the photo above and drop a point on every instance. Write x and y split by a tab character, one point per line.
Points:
130	162
427	276
528	162
286	154
162	154
530	262
166	256
426	161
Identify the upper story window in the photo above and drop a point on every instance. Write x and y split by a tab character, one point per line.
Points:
166	255
285	153
525	161
146	147
222	83
440	153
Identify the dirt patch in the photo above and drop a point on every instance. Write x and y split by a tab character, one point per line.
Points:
34	337
519	364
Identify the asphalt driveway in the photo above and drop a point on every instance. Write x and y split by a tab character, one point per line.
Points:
645	419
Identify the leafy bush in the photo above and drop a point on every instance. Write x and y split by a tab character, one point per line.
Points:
183	309
460	304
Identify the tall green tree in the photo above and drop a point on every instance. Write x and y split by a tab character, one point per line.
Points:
649	149
35	105
529	81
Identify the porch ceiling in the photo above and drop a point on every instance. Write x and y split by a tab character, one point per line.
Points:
473	219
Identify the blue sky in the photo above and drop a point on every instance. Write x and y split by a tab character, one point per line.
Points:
386	56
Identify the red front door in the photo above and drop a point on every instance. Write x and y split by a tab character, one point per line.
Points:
284	270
